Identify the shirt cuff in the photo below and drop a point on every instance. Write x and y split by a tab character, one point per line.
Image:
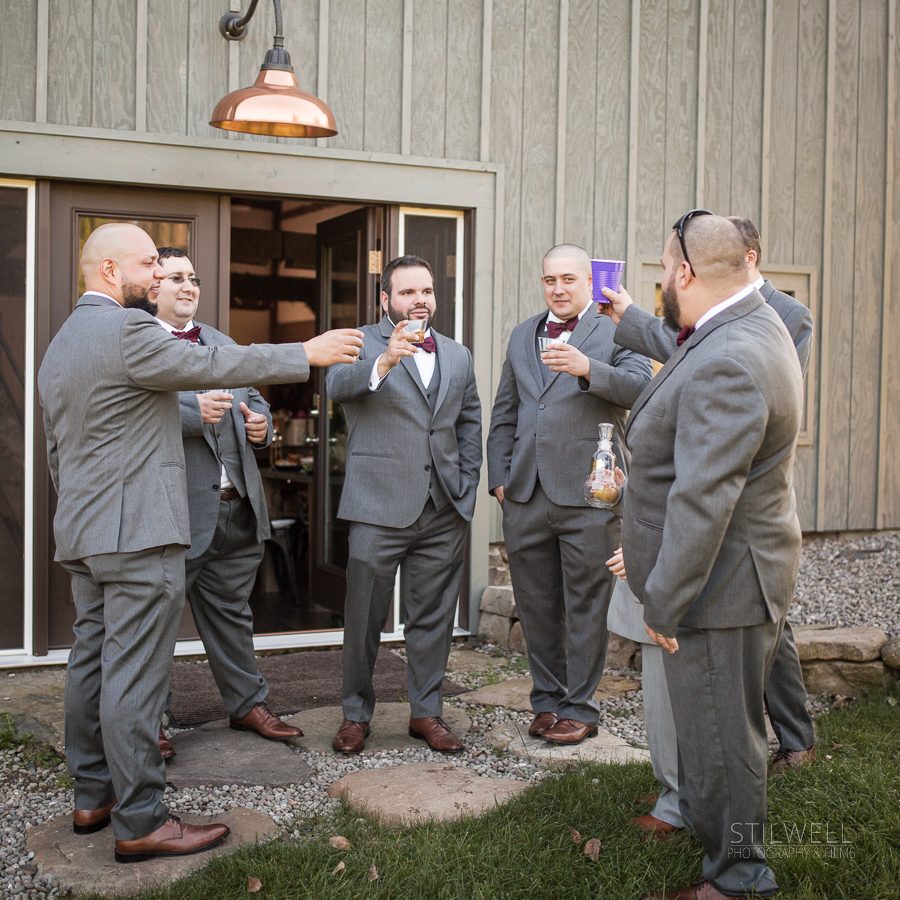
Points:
374	380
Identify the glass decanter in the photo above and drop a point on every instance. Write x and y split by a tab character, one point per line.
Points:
601	490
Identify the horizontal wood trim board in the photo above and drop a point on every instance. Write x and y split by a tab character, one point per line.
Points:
267	169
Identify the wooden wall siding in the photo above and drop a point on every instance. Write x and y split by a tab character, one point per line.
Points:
889	457
664	103
868	263
507	139
18	50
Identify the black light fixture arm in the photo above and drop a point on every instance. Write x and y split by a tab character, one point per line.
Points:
234	28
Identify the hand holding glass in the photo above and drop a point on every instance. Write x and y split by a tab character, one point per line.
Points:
416	327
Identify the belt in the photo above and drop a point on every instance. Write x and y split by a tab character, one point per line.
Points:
229	494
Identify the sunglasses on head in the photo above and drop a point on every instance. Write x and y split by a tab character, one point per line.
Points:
679	227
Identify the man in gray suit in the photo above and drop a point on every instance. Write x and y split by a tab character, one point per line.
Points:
785	695
227	506
413	464
111	416
710	537
786	690
543	434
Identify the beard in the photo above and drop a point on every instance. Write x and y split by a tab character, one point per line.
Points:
396	316
671	309
136	297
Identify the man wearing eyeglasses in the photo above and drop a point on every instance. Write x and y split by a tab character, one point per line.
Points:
711	538
228	515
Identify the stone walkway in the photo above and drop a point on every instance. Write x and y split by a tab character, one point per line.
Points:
260	788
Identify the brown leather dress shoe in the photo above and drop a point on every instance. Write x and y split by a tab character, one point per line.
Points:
785	760
568	731
87	821
542	722
167	750
261	720
433	730
653	829
173	839
351	737
699	890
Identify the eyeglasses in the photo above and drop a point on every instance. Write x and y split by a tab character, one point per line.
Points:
180	279
679	227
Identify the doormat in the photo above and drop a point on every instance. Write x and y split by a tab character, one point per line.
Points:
305	680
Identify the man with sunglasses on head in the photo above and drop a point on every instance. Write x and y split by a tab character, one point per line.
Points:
710	537
227	508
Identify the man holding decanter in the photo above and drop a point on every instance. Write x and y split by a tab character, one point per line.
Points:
563	376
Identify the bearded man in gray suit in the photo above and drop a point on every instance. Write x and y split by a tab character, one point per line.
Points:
413	464
543	434
711	538
785	695
108	386
227	505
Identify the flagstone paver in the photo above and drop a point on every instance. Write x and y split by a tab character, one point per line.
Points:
605	748
402	795
515	693
85	863
215	754
390	727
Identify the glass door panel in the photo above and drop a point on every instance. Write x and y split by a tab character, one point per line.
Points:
13	318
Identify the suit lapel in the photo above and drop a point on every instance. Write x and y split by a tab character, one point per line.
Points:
741	308
208	338
444	366
586	324
533	361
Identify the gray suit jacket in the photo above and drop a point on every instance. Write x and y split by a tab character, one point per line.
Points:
202	463
797	319
660	339
550	431
113	423
710	531
393	436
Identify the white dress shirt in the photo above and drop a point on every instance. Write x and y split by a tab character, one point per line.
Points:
101	294
721	307
424	363
564	337
759	282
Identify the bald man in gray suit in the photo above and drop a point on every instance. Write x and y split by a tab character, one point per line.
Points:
711	538
108	386
543	435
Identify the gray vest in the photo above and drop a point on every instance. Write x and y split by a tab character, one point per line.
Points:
435	491
225	441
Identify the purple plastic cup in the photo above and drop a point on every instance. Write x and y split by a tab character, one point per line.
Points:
607	273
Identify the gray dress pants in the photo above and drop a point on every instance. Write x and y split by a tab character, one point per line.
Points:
218	584
128	612
431	552
716	681
557	564
786	697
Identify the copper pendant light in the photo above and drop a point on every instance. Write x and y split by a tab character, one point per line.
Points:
274	104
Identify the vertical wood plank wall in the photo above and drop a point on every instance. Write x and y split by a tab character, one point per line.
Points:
781	110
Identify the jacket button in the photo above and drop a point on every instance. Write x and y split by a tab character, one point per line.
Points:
541	406
215	487
432	431
427	468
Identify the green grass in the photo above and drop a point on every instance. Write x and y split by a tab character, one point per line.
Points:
525	849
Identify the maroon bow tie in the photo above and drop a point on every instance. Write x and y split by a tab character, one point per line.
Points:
684	334
427	345
192	335
555	329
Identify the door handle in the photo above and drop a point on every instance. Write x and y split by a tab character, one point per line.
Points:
311	440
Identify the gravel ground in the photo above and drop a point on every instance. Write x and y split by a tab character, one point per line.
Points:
833	589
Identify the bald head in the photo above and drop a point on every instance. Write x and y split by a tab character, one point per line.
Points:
716	251
569	251
119	259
